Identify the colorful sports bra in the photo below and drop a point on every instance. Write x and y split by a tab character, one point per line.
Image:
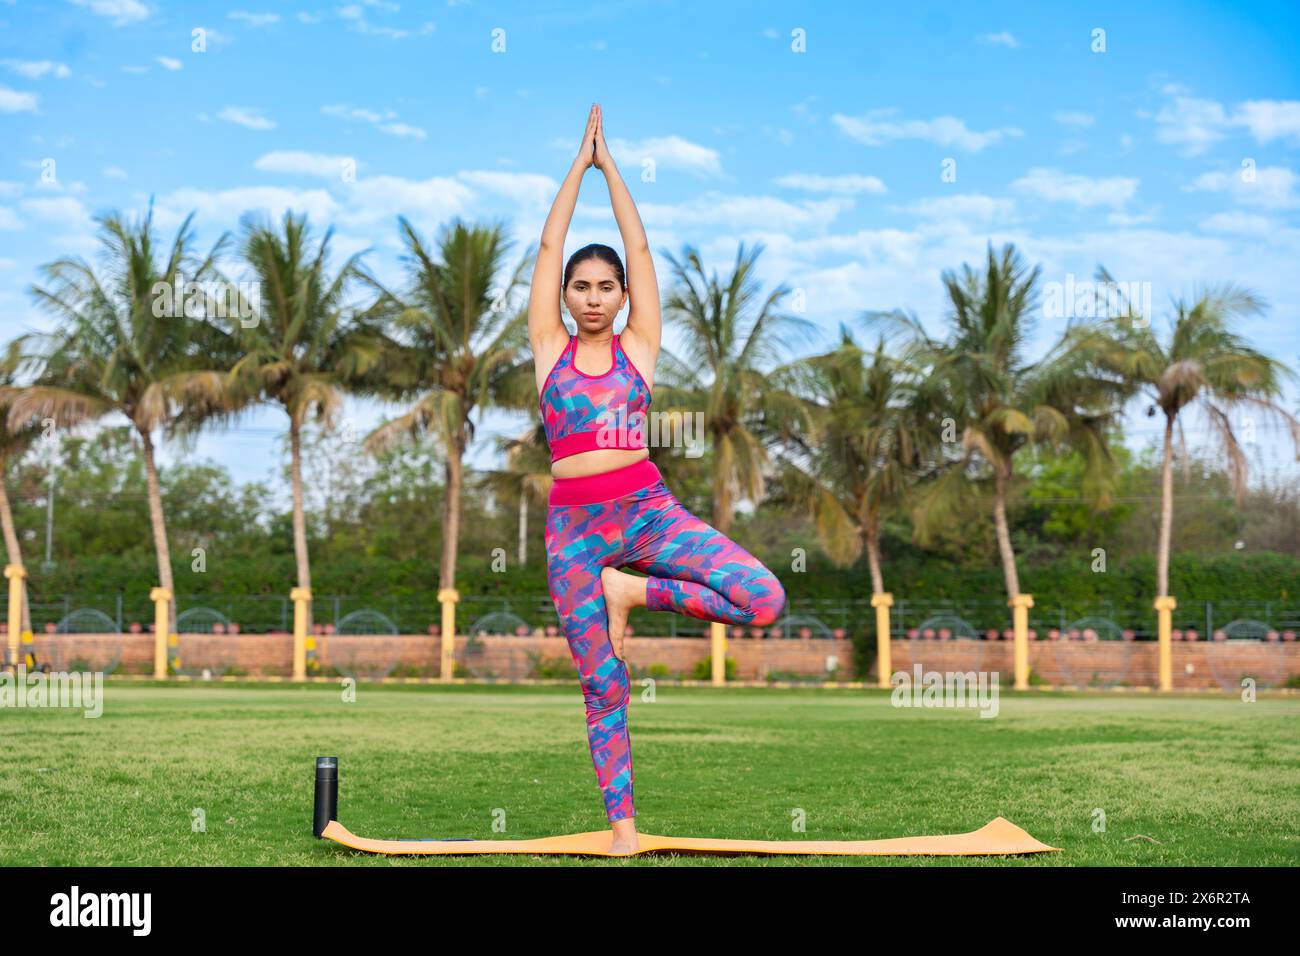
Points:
582	412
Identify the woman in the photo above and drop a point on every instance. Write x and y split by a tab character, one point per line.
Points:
608	506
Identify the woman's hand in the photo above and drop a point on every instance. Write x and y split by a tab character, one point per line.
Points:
603	160
587	151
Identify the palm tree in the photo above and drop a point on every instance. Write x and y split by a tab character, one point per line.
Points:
455	347
13	446
1204	363
1002	402
730	335
304	345
119	348
526	475
873	436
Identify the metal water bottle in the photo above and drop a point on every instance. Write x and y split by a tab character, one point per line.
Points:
327	792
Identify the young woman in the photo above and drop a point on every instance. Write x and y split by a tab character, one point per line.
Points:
608	506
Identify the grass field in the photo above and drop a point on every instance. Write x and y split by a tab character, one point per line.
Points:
1182	780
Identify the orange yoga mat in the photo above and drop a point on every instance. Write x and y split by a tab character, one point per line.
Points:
997	837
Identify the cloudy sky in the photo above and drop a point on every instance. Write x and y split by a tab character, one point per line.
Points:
867	150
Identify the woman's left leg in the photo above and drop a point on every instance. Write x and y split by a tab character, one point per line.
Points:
695	569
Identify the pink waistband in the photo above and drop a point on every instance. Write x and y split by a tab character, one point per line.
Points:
605	486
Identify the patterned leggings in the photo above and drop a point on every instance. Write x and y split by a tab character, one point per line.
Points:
694	570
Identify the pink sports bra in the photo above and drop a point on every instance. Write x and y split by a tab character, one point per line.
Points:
582	412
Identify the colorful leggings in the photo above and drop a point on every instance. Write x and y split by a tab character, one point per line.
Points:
693	569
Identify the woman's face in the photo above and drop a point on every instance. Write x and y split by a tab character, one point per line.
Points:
593	295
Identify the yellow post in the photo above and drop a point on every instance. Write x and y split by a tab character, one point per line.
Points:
718	645
1020	606
1164	610
15	573
882	601
448	598
300	598
161	625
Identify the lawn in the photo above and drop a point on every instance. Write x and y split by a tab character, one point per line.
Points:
1181	780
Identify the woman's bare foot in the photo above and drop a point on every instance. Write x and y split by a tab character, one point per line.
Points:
625	840
623	592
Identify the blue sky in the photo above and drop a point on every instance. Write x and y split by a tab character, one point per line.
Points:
822	131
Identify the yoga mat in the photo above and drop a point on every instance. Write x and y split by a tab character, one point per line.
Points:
997	837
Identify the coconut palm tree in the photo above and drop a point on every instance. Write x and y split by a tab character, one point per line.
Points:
1001	402
13	446
456	345
731	336
119	347
526	476
303	343
1204	364
874	436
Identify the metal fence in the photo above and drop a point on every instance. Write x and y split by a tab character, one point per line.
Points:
525	614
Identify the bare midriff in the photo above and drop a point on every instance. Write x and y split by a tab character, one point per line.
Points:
597	461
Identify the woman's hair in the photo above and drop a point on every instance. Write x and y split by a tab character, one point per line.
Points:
596	251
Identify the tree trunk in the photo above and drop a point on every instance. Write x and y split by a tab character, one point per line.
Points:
299	516
871	531
722	484
451	510
1000	480
159	528
1166	511
523	522
12	548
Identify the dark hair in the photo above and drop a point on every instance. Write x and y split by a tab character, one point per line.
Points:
596	251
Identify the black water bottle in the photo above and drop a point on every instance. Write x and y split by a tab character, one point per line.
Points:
327	792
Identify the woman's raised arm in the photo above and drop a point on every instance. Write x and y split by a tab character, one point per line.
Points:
644	326
546	330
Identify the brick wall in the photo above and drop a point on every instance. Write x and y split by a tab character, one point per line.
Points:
1102	663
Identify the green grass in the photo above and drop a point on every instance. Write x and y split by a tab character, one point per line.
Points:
1213	780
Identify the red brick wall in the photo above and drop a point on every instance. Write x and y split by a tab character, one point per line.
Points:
1103	663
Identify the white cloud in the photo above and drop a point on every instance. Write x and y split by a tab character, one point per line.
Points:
736	213
9	220
969	208
1268	120
58	212
309	164
1238	223
1056	186
355	15
223	208
402	129
246	116
1274	187
35	69
374	199
998	39
847	185
1195	124
1125	220
13	101
122	12
169	63
1073	118
532	190
873	128
667	152
113	172
377	119
254	19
